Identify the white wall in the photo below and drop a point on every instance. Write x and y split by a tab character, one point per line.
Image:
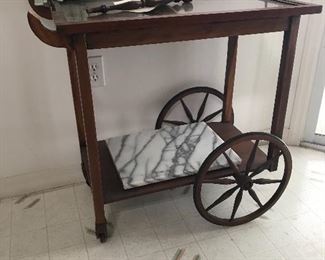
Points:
38	135
305	81
141	79
38	145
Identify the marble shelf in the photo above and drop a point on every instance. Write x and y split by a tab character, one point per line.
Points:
171	152
114	190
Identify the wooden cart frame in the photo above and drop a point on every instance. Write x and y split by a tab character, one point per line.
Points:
78	37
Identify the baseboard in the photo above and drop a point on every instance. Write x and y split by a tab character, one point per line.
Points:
39	181
317	147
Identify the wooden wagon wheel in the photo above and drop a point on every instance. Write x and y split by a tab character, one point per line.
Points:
249	182
179	99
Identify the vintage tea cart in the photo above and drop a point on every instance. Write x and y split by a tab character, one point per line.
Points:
234	166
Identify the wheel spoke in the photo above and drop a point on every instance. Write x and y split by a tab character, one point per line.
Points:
211	116
223	197
251	157
187	111
265	165
263	181
202	107
253	194
174	122
223	181
231	164
236	204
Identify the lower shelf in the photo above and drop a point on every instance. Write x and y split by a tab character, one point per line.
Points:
113	187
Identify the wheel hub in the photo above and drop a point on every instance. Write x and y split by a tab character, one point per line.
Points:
245	182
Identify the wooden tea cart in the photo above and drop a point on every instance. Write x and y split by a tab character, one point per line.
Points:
201	19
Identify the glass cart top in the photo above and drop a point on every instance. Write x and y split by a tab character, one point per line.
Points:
70	16
75	10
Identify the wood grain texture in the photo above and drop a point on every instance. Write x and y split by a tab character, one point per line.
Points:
76	96
284	82
230	79
89	125
47	36
163	34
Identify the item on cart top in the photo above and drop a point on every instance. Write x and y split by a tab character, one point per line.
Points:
43	2
138	6
171	152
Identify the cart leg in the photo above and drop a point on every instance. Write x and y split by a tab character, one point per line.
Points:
76	96
78	110
284	81
89	127
230	79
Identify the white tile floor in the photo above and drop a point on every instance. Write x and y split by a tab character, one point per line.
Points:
60	224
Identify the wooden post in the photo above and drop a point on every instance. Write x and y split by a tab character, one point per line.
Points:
76	96
284	81
89	127
230	79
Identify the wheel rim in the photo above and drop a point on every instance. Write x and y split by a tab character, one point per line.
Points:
191	115
244	181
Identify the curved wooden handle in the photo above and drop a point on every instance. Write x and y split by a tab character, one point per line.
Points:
47	36
42	11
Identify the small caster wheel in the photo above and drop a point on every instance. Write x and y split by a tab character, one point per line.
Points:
85	173
250	189
102	237
101	232
171	109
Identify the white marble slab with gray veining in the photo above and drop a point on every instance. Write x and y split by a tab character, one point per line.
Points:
157	155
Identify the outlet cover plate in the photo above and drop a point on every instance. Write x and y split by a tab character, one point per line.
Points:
96	71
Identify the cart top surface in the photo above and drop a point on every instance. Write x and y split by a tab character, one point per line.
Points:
70	16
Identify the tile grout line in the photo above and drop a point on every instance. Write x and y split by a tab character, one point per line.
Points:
153	228
278	249
186	224
150	224
10	230
64	222
83	233
122	242
80	223
246	257
46	226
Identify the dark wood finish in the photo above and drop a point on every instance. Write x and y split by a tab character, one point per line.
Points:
284	82
244	179
78	32
163	34
113	187
76	96
230	79
191	118
71	17
49	37
42	11
94	168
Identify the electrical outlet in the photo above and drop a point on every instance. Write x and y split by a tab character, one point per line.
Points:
96	71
